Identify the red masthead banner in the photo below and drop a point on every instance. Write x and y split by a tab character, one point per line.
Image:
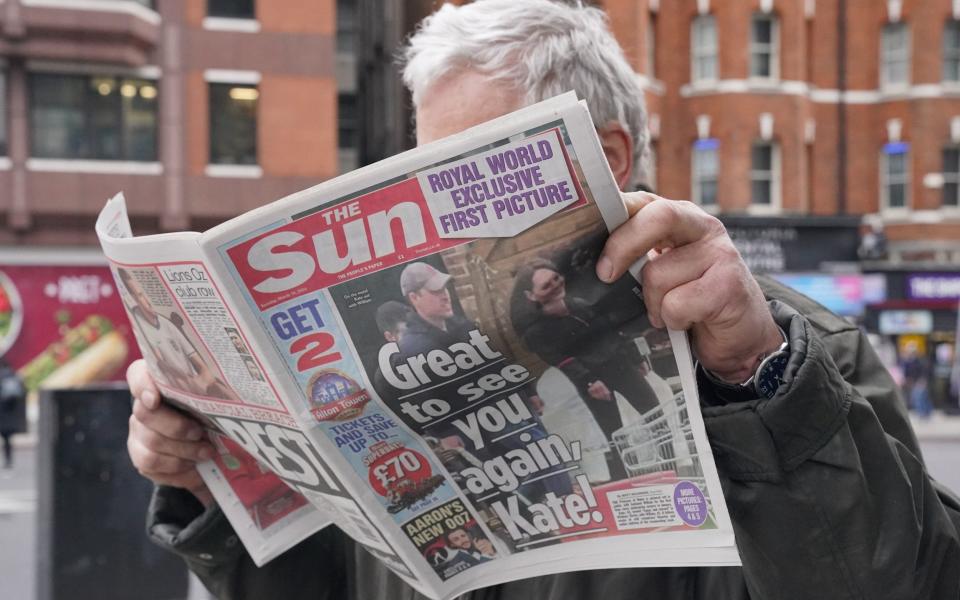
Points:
381	229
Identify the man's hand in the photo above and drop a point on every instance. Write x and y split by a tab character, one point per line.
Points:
536	403
695	280
164	444
598	390
451	442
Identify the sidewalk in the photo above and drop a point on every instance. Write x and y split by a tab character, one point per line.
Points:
939	427
25	440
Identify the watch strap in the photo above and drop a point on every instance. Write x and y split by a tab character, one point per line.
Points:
783	351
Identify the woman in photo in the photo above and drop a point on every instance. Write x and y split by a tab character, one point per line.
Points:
565	332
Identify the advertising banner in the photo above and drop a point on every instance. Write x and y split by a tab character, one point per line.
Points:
63	325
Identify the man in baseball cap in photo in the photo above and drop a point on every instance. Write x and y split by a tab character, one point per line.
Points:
425	288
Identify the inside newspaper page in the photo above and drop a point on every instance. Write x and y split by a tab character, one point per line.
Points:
200	357
431	335
269	477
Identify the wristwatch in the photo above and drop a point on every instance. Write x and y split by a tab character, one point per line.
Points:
766	380
769	374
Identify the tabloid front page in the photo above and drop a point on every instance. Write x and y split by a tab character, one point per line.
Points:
421	351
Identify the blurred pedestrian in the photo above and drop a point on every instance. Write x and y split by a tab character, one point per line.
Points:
12	394
916	373
941	394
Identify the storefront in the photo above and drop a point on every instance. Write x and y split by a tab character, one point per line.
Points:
919	317
846	295
794	244
817	256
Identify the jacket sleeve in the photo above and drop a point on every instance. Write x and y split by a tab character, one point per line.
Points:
315	569
826	488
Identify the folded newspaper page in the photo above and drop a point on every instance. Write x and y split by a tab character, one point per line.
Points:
420	352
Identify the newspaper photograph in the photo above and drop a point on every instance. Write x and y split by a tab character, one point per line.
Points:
429	334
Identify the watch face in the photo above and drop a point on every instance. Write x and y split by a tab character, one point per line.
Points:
771	374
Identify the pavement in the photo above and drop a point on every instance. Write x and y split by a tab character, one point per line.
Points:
938	427
25	440
18	504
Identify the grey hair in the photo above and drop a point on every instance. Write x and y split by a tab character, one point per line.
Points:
541	46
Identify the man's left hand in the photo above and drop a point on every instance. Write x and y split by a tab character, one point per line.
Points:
695	280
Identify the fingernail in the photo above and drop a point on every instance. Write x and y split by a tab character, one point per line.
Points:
194	435
149	398
605	269
205	454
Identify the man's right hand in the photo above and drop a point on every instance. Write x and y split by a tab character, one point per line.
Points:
164	444
598	390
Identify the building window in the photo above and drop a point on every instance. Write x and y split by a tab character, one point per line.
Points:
704	48
895	173
951	177
951	51
652	46
3	114
93	117
764	174
233	124
230	9
347	30
895	55
348	124
705	170
764	55
348	131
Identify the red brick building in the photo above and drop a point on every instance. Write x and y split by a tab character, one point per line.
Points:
801	121
758	107
807	107
197	110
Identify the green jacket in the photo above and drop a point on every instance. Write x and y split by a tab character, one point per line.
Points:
825	484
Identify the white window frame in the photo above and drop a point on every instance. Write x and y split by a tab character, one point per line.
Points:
950	177
697	177
230	170
699	52
890	57
231	24
80	165
148	14
96	165
774	175
773	48
949	54
886	182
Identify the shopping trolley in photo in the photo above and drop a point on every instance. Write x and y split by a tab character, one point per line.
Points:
661	440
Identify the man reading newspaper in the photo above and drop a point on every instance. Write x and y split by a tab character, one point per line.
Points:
822	473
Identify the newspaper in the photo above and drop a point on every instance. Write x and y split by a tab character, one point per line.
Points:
420	353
